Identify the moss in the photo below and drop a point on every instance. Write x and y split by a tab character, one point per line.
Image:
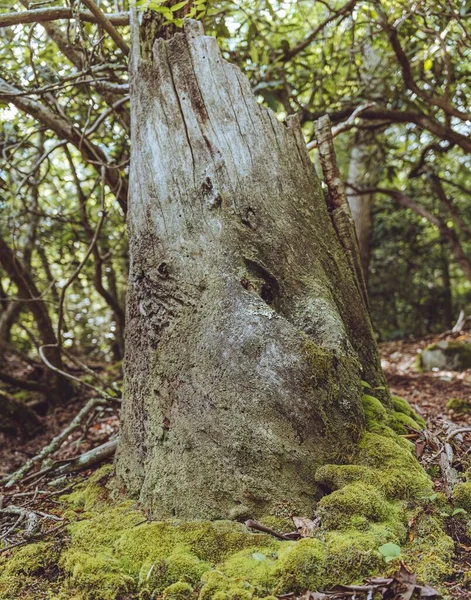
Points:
402	476
114	551
375	413
458	405
354	499
462	496
352	555
401	405
23	574
378	417
178	591
279	524
300	566
447	355
430	552
399	420
254	565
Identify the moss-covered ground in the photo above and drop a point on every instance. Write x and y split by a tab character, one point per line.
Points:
112	551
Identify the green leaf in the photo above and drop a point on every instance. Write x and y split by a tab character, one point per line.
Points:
428	64
178	5
458	511
390	551
258	556
365	384
433	497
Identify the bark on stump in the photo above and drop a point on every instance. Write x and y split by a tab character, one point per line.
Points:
247	336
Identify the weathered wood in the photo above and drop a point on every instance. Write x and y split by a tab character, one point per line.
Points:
247	336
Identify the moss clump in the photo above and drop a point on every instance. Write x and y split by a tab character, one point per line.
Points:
458	405
431	551
23	574
357	550
462	496
454	356
301	566
355	499
402	406
378	417
178	591
113	551
375	412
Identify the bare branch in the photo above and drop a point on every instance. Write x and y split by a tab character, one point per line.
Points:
43	15
345	126
104	22
289	54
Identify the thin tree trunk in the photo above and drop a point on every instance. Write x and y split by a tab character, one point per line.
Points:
30	295
447	293
247	335
363	173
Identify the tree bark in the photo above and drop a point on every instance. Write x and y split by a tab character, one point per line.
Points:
247	335
363	173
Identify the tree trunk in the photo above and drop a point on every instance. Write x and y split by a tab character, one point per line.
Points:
61	388
363	174
247	336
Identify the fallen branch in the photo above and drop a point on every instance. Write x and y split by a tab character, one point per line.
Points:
87	459
55	444
30	516
281	536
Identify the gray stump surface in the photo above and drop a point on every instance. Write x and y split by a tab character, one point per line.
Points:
246	336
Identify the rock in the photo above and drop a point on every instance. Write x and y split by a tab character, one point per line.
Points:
446	356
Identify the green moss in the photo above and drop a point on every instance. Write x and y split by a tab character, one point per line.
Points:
401	405
351	555
462	496
300	566
374	411
178	591
355	499
397	421
431	551
458	405
447	355
21	575
113	551
378	417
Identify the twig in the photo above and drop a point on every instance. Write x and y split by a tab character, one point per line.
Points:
259	527
455	432
103	20
345	126
10	480
37	536
30	516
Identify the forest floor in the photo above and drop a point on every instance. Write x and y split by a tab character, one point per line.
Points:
428	393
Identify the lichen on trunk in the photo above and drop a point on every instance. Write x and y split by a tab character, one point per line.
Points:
247	337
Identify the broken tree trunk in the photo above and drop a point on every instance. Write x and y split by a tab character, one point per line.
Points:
247	335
